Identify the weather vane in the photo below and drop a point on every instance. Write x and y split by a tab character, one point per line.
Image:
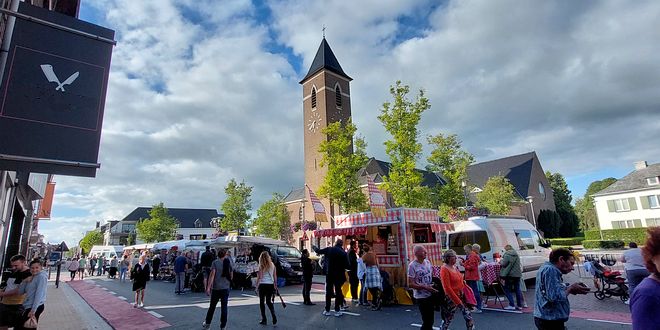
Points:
323	31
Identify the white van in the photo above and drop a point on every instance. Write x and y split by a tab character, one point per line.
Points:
493	233
108	251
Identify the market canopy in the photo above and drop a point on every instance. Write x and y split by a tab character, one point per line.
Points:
340	231
442	227
180	245
139	247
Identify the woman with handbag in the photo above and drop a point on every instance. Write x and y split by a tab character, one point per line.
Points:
455	292
140	276
34	288
511	273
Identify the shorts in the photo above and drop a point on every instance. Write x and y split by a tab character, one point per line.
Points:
206	271
11	315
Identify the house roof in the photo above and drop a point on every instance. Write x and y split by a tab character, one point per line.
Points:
517	169
295	195
635	180
382	168
325	59
186	217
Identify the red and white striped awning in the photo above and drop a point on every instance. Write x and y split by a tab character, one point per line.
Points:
340	231
441	227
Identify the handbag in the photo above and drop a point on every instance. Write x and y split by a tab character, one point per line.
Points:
468	295
31	323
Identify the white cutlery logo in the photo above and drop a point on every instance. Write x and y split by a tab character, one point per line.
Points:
52	77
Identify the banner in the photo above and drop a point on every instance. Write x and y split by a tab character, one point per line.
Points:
46	204
319	209
376	200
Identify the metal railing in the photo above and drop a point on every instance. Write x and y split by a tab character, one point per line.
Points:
611	260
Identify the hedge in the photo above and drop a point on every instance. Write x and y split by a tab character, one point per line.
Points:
637	235
566	241
606	244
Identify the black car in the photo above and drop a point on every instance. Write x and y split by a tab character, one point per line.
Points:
286	259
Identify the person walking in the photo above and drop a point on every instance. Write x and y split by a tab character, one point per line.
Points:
123	268
217	287
645	300
114	264
11	308
82	266
471	265
73	268
373	281
353	279
155	266
180	269
92	265
266	280
100	263
140	276
337	262
308	275
453	285
511	272
552	308
361	272
420	278
34	288
634	265
205	261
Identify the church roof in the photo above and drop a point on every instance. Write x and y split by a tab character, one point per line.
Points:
518	169
325	59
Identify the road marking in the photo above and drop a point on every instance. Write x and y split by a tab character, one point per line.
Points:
122	298
178	306
249	295
112	292
419	326
350	313
605	321
292	303
155	314
502	310
104	288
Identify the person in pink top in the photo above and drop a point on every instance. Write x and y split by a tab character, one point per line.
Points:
471	265
453	284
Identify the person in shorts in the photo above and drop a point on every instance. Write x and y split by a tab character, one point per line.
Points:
11	308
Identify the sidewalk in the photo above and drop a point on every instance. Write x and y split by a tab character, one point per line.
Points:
65	309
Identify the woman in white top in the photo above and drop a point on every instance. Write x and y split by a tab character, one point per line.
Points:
266	280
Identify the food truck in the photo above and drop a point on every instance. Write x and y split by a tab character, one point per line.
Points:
392	237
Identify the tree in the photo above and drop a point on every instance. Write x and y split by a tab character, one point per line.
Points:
236	206
91	238
451	161
549	222
343	155
273	219
159	227
497	195
584	207
400	120
563	200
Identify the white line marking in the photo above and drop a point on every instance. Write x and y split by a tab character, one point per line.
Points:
502	310
615	322
122	298
178	306
292	303
249	295
106	289
155	314
408	310
318	290
112	292
350	313
419	326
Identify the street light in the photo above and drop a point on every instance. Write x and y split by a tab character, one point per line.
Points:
530	199
464	186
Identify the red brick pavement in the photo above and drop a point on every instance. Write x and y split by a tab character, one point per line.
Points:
118	313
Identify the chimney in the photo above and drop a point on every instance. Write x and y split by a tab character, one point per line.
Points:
98	224
640	165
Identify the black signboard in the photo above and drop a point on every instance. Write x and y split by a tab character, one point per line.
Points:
53	94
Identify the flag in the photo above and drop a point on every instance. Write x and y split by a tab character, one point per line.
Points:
46	204
376	200
319	209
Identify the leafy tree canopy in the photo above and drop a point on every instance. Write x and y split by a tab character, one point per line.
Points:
237	206
584	207
91	238
159	227
273	219
563	199
451	161
497	195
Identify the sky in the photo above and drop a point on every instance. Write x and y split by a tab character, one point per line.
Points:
204	91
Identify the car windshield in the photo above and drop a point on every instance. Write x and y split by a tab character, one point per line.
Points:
288	252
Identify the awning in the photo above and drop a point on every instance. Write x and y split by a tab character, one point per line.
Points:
340	231
442	227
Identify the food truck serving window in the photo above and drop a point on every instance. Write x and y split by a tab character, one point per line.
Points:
460	239
422	233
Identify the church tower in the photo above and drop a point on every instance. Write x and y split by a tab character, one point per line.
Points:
326	99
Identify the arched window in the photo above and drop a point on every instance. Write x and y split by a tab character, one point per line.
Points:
338	96
313	97
198	223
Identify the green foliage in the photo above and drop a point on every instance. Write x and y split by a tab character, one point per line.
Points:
400	119
273	219
569	224
159	227
91	238
562	196
497	196
549	222
605	244
584	207
451	161
569	241
236	206
343	155
637	235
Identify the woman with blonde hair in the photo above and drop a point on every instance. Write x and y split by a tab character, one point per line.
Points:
266	281
140	276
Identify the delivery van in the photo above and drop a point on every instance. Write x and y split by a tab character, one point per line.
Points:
493	233
107	251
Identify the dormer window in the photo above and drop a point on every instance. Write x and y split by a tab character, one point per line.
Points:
313	98
198	223
654	181
338	97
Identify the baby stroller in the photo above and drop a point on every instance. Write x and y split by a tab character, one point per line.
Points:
611	283
387	296
197	280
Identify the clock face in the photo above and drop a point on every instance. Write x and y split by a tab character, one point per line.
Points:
314	122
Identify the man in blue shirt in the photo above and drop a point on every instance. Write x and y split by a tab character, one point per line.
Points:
180	268
552	308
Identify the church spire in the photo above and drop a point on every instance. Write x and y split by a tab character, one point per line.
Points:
325	59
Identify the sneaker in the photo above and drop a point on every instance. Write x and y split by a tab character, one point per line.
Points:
326	313
627	302
135	305
343	308
524	305
141	305
476	311
510	308
519	308
338	314
205	326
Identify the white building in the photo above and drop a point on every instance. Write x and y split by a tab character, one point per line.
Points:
632	201
194	224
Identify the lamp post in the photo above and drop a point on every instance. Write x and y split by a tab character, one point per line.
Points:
530	199
464	186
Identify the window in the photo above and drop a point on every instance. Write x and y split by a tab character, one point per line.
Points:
654	181
653	201
338	96
197	237
422	233
288	252
313	98
650	222
621	224
525	239
198	223
621	205
128	228
460	239
542	190
301	213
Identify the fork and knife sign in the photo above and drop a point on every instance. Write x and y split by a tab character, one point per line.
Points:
52	77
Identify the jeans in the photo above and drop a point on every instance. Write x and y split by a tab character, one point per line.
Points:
122	274
180	279
354	282
333	289
363	292
512	284
266	292
542	324
426	309
223	297
307	289
475	288
634	277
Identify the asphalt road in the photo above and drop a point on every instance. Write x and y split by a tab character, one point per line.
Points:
188	312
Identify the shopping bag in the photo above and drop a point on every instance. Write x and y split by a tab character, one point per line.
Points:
469	296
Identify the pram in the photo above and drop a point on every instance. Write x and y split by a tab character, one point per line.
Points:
611	283
197	279
387	296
